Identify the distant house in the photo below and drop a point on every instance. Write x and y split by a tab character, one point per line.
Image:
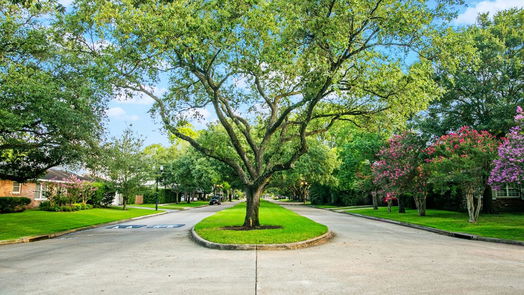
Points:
35	189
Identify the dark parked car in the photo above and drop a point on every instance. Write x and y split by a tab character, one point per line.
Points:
214	200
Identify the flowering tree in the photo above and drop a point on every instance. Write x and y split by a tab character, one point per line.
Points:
399	169
463	158
509	166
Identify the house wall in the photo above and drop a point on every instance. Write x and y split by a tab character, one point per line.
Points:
26	190
508	205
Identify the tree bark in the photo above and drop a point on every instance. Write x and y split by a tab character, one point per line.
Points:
374	198
401	205
252	205
487	200
473	209
420	201
389	205
124	202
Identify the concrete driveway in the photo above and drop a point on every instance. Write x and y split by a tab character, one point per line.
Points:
366	257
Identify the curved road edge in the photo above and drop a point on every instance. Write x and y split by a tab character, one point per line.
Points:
322	239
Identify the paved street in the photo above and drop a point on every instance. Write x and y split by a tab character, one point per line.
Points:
366	257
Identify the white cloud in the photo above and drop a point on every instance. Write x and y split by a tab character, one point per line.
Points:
115	112
65	2
119	113
469	16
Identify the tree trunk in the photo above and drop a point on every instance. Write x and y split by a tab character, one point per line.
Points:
473	209
124	202
230	195
374	198
420	201
487	201
389	205
401	205
252	205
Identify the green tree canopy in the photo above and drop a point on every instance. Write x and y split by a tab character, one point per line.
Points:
483	84
122	164
274	72
52	98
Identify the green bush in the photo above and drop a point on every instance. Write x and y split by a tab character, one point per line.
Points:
13	204
150	197
164	196
103	196
47	206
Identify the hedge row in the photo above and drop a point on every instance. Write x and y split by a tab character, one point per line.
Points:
13	204
164	196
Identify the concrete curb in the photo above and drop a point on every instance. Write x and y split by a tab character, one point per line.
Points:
57	234
459	235
289	246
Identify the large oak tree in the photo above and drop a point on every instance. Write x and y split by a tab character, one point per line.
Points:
274	72
52	98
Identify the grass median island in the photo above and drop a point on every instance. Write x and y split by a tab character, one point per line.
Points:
294	227
35	222
508	226
174	206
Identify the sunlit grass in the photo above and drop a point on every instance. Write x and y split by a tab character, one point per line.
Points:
504	226
294	227
36	222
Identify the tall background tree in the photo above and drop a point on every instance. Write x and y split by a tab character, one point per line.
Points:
121	162
274	72
484	82
52	96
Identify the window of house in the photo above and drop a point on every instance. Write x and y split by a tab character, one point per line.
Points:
16	187
508	191
40	192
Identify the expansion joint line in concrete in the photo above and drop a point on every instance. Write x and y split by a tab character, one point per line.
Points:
256	270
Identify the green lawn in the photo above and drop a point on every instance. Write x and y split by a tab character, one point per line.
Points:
504	226
35	222
174	206
294	227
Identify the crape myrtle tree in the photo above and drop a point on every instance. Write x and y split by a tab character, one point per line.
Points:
462	160
274	72
400	170
52	96
509	165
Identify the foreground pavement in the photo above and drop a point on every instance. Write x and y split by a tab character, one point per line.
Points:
366	257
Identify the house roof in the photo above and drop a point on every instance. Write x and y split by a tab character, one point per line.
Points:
59	175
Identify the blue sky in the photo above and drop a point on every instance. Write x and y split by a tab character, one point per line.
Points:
122	112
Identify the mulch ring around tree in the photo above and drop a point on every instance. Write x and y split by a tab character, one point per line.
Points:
251	228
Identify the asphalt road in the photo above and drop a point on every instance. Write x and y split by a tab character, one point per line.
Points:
366	257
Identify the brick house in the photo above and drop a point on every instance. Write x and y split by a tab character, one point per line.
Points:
508	198
35	189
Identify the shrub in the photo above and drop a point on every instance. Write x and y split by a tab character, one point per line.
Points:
47	206
13	204
103	196
164	196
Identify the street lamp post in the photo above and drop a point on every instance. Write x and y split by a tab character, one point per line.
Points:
156	190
